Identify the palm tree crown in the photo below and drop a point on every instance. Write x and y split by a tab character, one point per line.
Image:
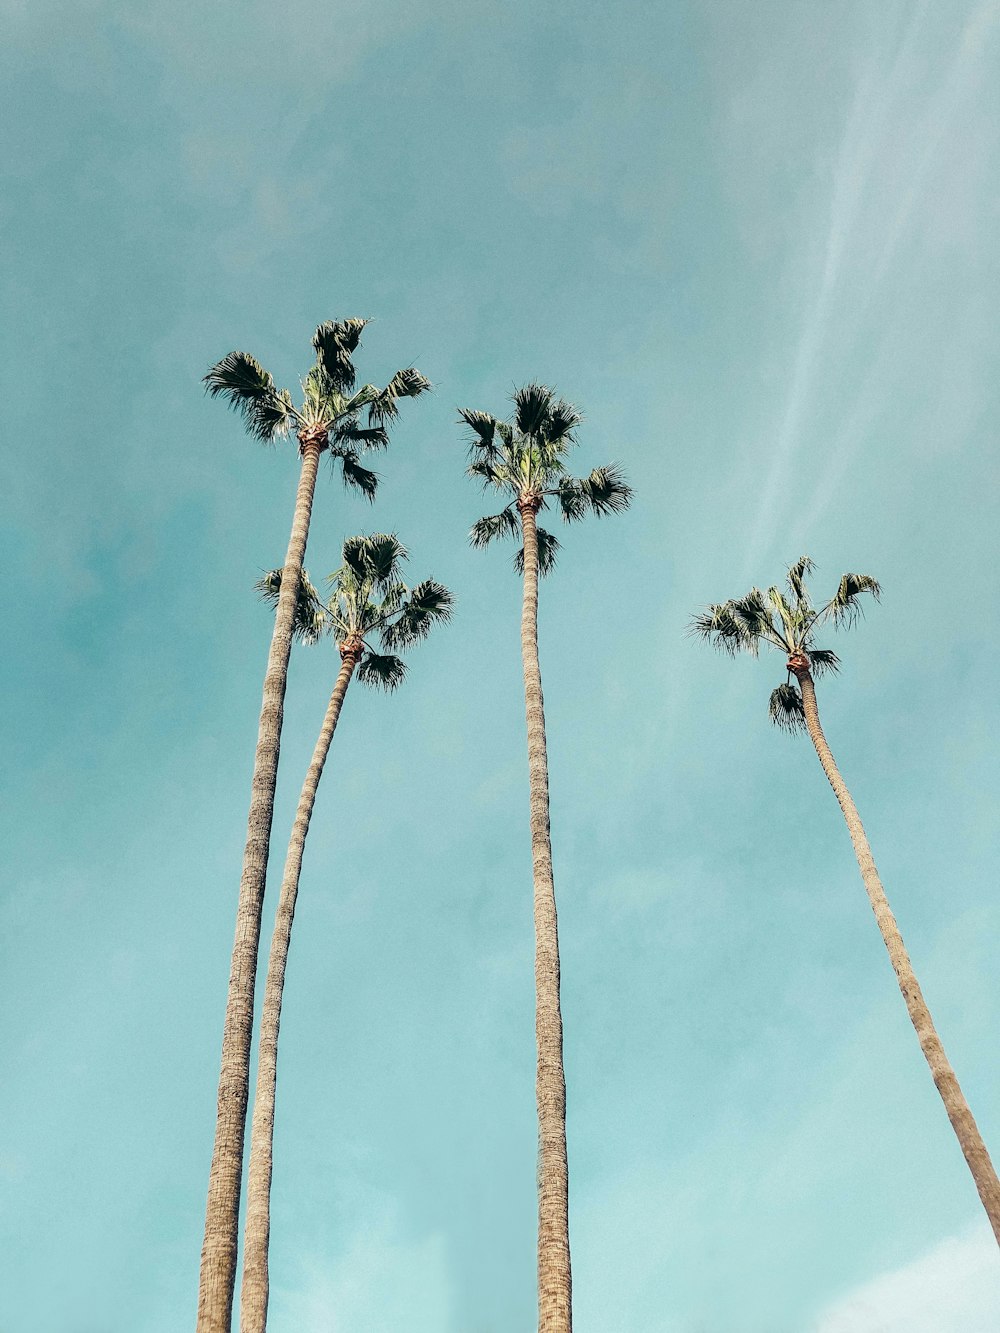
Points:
331	409
525	458
788	622
368	597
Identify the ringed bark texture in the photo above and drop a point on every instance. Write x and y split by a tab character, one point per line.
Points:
962	1121
256	1235
555	1307
218	1256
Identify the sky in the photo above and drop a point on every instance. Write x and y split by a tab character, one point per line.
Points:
756	244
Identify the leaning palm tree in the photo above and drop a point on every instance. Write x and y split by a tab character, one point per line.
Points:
368	598
328	418
789	622
525	459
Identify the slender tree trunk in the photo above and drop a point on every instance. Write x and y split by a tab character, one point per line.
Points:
218	1256
254	1291
955	1104
555	1285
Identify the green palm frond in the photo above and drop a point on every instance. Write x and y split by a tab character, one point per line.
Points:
562	420
357	476
753	613
548	549
374	558
393	595
310	615
250	390
428	603
335	342
845	604
494	527
532	407
785	613
381	671
349	432
786	709
797	575
720	625
408	383
604	492
484	430
823	660
488	472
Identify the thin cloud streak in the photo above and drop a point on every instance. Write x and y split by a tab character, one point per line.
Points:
860	253
952	1288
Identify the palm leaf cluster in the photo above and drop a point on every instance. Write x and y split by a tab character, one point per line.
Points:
369	598
788	621
525	458
346	422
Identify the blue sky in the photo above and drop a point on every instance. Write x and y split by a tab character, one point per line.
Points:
757	245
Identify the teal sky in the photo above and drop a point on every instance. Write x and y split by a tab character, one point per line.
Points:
757	244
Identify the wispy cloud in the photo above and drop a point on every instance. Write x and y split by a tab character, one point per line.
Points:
889	182
952	1288
383	1281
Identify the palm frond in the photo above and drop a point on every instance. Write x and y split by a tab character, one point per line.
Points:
349	432
408	383
786	709
604	492
532	407
393	597
721	626
357	476
563	419
752	612
375	557
797	575
487	471
494	527
310	615
823	660
845	604
335	342
381	671
250	390
428	603
572	501
484	429
785	613
548	549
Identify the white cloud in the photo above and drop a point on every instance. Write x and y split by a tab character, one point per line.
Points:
381	1282
952	1288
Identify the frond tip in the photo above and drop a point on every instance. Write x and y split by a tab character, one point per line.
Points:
604	492
381	671
548	549
356	476
822	660
494	527
335	343
250	390
310	616
428	603
845	603
786	709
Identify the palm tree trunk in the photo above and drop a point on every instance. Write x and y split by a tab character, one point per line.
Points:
965	1127
254	1291
218	1256
555	1309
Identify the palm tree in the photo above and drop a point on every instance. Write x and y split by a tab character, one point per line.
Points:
368	598
525	459
789	622
328	418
